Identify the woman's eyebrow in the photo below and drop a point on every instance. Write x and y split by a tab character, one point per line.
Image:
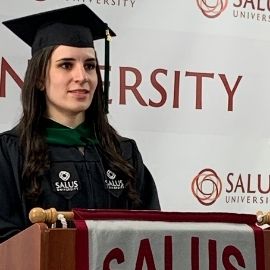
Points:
90	59
66	59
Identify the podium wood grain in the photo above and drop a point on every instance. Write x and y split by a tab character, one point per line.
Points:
39	248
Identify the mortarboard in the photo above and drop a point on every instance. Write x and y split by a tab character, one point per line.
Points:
76	26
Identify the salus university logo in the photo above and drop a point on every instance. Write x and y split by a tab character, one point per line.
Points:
112	182
206	186
65	183
238	188
212	8
64	175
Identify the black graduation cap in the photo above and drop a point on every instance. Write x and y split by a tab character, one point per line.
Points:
76	26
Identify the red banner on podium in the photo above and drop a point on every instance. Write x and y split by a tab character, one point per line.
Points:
155	240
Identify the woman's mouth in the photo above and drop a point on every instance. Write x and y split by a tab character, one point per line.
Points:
79	93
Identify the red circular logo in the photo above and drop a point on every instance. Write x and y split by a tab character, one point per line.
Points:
212	8
206	186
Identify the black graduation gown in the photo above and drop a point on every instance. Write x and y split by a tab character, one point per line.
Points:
75	180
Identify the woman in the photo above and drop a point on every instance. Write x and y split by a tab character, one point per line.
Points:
64	153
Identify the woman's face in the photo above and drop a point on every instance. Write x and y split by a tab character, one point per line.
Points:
71	81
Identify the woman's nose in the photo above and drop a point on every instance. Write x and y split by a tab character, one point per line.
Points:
80	75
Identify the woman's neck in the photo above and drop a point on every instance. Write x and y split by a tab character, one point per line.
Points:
71	121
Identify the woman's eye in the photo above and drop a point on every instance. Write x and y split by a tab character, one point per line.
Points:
90	66
66	65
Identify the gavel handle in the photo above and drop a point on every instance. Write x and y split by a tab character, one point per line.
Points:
38	215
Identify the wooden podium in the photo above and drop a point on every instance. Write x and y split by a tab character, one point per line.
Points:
41	248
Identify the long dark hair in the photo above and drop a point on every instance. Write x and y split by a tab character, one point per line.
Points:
31	130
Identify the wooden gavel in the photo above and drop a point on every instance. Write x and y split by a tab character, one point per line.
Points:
39	215
263	218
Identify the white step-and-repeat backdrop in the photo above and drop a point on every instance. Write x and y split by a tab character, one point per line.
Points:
189	82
